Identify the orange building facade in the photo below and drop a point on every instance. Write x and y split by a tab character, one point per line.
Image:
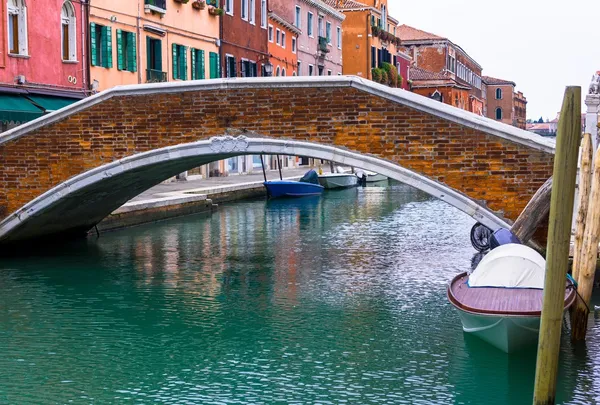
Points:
283	45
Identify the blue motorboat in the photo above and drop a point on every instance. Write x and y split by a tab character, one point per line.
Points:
306	186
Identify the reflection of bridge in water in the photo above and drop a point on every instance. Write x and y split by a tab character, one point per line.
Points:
67	171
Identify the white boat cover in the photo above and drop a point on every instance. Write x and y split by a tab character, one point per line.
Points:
510	266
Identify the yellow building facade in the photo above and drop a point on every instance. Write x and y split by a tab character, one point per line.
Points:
148	41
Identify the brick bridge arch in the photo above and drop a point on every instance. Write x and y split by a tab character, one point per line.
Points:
66	171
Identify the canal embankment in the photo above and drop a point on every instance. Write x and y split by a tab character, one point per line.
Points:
199	196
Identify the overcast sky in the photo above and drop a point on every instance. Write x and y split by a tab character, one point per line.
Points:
539	46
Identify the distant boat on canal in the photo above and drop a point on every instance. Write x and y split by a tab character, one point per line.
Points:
501	300
372	177
340	179
308	185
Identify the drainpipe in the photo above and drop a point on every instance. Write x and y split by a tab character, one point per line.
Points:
85	23
221	54
369	46
139	44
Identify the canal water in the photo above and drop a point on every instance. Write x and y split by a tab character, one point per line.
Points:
338	299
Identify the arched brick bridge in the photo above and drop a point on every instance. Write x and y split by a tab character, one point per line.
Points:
66	171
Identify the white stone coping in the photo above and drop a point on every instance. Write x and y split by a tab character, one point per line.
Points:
230	146
399	96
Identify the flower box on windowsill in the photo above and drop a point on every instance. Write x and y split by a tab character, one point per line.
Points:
182	1
215	11
199	4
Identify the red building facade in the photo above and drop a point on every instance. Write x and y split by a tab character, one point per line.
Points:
43	57
244	49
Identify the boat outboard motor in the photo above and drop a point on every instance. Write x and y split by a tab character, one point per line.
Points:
503	236
362	178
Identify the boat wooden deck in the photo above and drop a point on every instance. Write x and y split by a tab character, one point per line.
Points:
505	301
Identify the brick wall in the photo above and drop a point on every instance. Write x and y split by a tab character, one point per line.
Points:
496	171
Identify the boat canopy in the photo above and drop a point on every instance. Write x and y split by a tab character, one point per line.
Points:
310	177
510	266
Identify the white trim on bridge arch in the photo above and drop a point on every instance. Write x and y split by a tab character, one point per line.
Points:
217	148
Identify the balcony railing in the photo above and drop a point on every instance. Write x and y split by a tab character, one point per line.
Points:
160	6
323	45
155	76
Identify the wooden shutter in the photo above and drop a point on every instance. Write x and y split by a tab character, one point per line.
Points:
93	48
202	69
131	52
107	37
193	59
174	57
120	61
183	55
158	55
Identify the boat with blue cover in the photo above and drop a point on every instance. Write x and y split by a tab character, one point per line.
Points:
306	186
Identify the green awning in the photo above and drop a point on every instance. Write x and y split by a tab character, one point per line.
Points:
16	108
51	103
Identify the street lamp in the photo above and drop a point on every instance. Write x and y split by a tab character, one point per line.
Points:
268	69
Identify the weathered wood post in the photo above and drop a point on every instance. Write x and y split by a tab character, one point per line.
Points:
589	255
585	180
559	235
534	213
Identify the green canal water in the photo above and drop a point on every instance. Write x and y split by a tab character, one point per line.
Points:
332	300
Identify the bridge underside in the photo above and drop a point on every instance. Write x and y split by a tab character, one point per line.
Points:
78	204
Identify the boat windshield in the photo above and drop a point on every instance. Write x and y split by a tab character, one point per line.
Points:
310	177
510	266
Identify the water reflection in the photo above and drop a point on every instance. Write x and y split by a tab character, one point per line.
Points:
331	299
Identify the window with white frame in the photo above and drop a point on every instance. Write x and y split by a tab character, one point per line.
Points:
270	33
278	71
17	27
339	38
498	113
311	69
252	12
294	44
328	32
278	37
299	68
229	7
320	26
283	38
283	72
298	18
245	10
309	26
328	72
68	33
263	13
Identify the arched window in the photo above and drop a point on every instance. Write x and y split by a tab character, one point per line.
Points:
277	71
293	73
498	113
283	72
17	27
498	94
68	33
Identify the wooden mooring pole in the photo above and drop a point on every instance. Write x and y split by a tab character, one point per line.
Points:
559	238
588	256
585	180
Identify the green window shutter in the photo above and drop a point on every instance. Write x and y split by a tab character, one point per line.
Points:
193	60
120	61
175	64
215	66
202	75
108	47
131	52
158	54
183	53
148	54
93	48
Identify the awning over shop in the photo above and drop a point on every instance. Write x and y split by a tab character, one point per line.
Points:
50	103
17	109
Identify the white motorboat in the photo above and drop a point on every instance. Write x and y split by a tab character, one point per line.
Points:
338	180
501	300
372	177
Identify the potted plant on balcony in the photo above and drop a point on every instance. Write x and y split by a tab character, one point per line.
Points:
215	10
199	4
375	30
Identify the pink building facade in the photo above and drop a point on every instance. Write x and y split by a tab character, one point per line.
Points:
43	57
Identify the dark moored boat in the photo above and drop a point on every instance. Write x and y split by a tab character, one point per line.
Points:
306	186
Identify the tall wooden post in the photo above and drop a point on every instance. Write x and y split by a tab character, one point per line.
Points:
585	180
588	258
559	235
